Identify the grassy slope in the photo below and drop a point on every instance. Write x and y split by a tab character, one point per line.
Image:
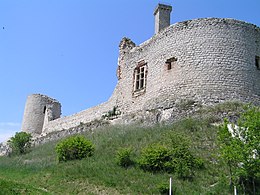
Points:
39	173
11	187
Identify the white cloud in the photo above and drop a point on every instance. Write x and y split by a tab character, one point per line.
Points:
8	129
5	136
10	124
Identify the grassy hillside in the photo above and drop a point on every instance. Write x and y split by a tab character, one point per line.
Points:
38	172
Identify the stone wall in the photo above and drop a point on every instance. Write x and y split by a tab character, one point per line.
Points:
211	60
215	63
39	111
74	120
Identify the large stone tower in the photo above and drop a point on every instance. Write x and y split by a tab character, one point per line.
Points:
39	110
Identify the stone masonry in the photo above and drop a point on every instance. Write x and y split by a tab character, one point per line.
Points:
39	111
162	17
204	61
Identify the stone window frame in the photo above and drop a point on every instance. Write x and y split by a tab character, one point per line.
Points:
170	63
257	62
140	78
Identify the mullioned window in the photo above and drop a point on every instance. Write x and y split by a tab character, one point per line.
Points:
140	75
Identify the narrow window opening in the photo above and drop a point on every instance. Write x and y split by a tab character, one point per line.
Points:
44	109
169	66
119	73
170	63
257	62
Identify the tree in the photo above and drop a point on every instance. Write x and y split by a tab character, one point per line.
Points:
20	143
240	147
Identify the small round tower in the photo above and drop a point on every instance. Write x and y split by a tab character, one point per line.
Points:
39	110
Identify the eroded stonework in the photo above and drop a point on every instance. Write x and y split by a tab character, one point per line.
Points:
202	61
39	111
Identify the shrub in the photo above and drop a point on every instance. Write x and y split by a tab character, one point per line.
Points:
76	147
20	143
176	157
155	158
183	161
123	157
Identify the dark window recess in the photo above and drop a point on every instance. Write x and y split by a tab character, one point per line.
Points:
170	62
44	109
169	66
257	62
119	73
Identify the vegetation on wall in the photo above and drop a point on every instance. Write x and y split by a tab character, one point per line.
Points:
111	114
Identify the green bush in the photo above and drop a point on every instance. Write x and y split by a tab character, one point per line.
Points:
76	147
155	158
123	157
173	157
183	161
20	143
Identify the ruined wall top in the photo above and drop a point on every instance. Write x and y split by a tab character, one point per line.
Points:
39	109
45	97
125	45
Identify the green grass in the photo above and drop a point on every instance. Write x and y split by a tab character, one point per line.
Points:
11	187
38	172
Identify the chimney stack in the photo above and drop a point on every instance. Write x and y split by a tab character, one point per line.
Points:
162	17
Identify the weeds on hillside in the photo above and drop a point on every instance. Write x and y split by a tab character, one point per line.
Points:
39	168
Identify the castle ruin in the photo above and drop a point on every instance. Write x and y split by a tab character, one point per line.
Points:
206	61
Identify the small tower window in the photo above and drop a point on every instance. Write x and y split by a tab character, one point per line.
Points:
170	63
44	109
119	73
257	62
140	74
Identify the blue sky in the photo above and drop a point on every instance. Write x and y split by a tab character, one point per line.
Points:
68	49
